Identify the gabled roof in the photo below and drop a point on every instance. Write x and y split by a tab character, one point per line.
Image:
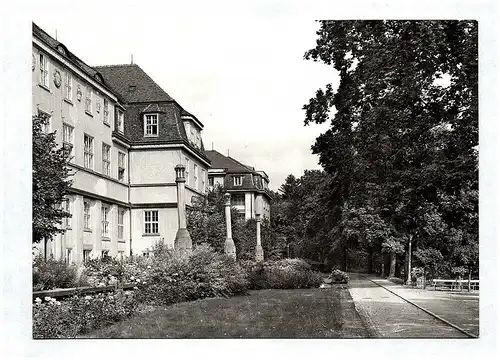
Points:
220	161
132	83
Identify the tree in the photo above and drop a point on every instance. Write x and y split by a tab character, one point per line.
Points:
51	182
403	140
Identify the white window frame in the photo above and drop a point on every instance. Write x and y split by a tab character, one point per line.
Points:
150	121
120	223
121	119
105	111
203	180
44	70
88	100
68	86
195	176
67	208
88	152
121	166
237	180
151	222
105	221
89	254
236	200
187	171
87	215
69	255
106	159
69	137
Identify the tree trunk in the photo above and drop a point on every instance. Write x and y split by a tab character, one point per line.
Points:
345	259
392	269
370	260
468	282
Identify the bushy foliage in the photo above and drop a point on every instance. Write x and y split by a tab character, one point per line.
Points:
396	280
54	274
339	276
78	315
175	277
281	274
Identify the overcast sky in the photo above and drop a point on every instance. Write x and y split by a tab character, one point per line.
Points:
244	77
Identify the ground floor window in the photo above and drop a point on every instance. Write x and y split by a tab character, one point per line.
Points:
121	215
104	253
105	221
86	255
151	222
69	256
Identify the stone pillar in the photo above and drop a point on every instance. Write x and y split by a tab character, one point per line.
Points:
182	238
229	248
259	253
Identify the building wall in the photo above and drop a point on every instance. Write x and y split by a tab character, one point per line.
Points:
167	229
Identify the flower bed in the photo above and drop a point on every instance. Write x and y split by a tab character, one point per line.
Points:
78	315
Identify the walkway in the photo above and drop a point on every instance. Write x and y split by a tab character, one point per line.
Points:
389	316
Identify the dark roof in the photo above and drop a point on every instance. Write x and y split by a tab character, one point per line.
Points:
220	161
63	50
132	83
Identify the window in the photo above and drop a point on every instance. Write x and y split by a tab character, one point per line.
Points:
67	208
187	170
192	137
151	125
44	71
68	138
106	162
105	111
69	256
86	255
88	151
121	166
203	180
121	214
237	180
46	121
238	200
151	222
120	254
105	221
195	176
86	215
88	100
210	181
104	253
120	120
68	86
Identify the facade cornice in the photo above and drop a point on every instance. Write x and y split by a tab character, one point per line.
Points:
170	146
56	55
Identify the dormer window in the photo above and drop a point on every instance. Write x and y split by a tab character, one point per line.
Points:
237	180
120	120
151	125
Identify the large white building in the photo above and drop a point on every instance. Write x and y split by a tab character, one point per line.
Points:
126	135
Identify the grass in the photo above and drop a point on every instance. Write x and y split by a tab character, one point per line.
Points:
309	313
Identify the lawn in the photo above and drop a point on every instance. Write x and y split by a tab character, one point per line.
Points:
309	313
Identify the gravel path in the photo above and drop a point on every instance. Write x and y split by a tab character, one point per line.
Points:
389	316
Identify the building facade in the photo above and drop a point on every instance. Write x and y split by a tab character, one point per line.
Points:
249	189
126	136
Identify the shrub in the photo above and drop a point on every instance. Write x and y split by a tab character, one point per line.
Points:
53	274
339	276
185	277
281	274
78	315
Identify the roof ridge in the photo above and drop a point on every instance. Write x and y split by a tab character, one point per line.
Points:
114	65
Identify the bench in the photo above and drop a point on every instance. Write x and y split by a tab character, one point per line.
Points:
456	284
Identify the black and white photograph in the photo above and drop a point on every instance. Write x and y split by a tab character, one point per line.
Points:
249	173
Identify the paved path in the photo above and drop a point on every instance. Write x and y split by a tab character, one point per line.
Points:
389	316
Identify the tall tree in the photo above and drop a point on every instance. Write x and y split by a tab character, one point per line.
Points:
51	181
404	136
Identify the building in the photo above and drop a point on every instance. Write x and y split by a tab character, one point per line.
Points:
126	135
249	189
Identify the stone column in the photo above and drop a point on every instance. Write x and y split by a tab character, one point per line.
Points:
182	238
229	247
259	253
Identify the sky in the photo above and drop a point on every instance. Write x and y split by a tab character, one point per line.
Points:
243	77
